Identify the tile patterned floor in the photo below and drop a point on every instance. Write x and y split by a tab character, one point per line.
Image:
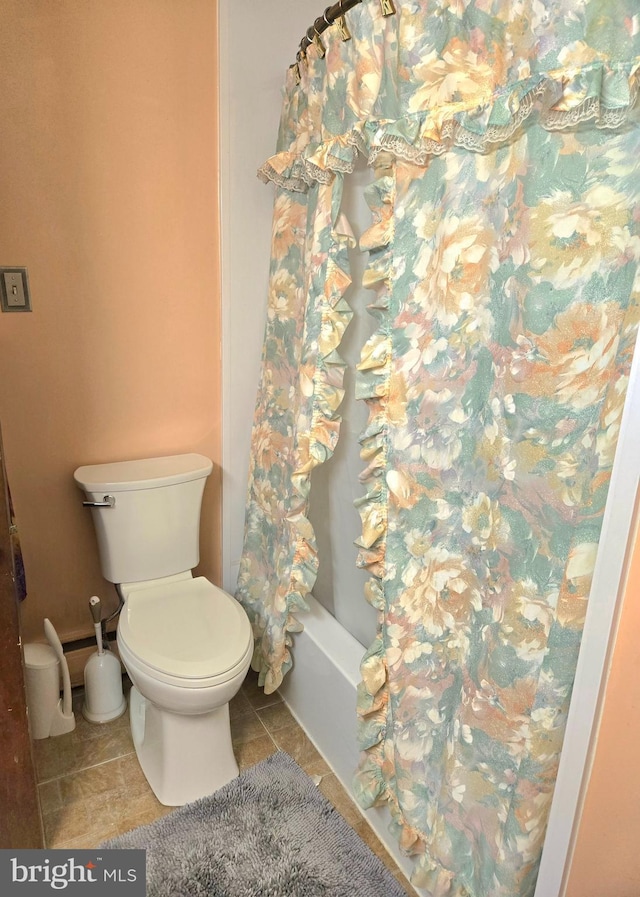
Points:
91	787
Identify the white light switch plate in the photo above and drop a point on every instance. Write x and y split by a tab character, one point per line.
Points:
14	289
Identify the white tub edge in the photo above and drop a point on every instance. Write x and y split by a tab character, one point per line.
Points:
321	689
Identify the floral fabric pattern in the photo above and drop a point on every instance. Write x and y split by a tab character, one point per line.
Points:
504	258
296	422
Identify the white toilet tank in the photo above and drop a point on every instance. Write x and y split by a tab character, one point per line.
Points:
152	528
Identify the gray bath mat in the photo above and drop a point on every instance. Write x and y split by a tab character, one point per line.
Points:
268	833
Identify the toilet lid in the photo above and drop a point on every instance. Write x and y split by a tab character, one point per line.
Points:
188	628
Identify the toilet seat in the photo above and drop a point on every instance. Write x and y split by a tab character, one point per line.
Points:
186	632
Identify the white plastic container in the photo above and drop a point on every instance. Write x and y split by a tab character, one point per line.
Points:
42	681
45	668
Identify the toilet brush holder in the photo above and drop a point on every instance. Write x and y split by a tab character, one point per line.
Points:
103	696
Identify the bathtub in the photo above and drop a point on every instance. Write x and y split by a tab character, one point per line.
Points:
320	691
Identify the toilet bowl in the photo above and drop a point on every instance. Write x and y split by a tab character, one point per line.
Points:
185	644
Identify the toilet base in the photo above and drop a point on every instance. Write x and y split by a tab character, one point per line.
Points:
183	757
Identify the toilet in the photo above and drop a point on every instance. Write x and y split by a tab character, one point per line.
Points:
185	643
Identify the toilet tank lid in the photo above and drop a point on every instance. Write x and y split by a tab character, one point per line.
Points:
146	473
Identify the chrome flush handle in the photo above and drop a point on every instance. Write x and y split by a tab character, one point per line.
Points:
107	502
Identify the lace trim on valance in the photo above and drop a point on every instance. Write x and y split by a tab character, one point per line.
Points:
604	93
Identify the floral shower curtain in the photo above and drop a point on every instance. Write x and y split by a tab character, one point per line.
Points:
504	139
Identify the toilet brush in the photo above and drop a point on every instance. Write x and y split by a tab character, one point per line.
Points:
103	696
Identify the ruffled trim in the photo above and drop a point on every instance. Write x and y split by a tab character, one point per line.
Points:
374	782
316	440
372	385
272	668
295	170
602	92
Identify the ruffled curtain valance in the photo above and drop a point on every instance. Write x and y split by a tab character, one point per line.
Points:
443	74
503	260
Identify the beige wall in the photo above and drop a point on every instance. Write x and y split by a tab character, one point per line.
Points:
108	195
606	862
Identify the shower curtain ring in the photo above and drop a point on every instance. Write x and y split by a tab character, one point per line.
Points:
324	15
345	34
315	40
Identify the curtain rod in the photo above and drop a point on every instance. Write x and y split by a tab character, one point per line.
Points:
331	15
